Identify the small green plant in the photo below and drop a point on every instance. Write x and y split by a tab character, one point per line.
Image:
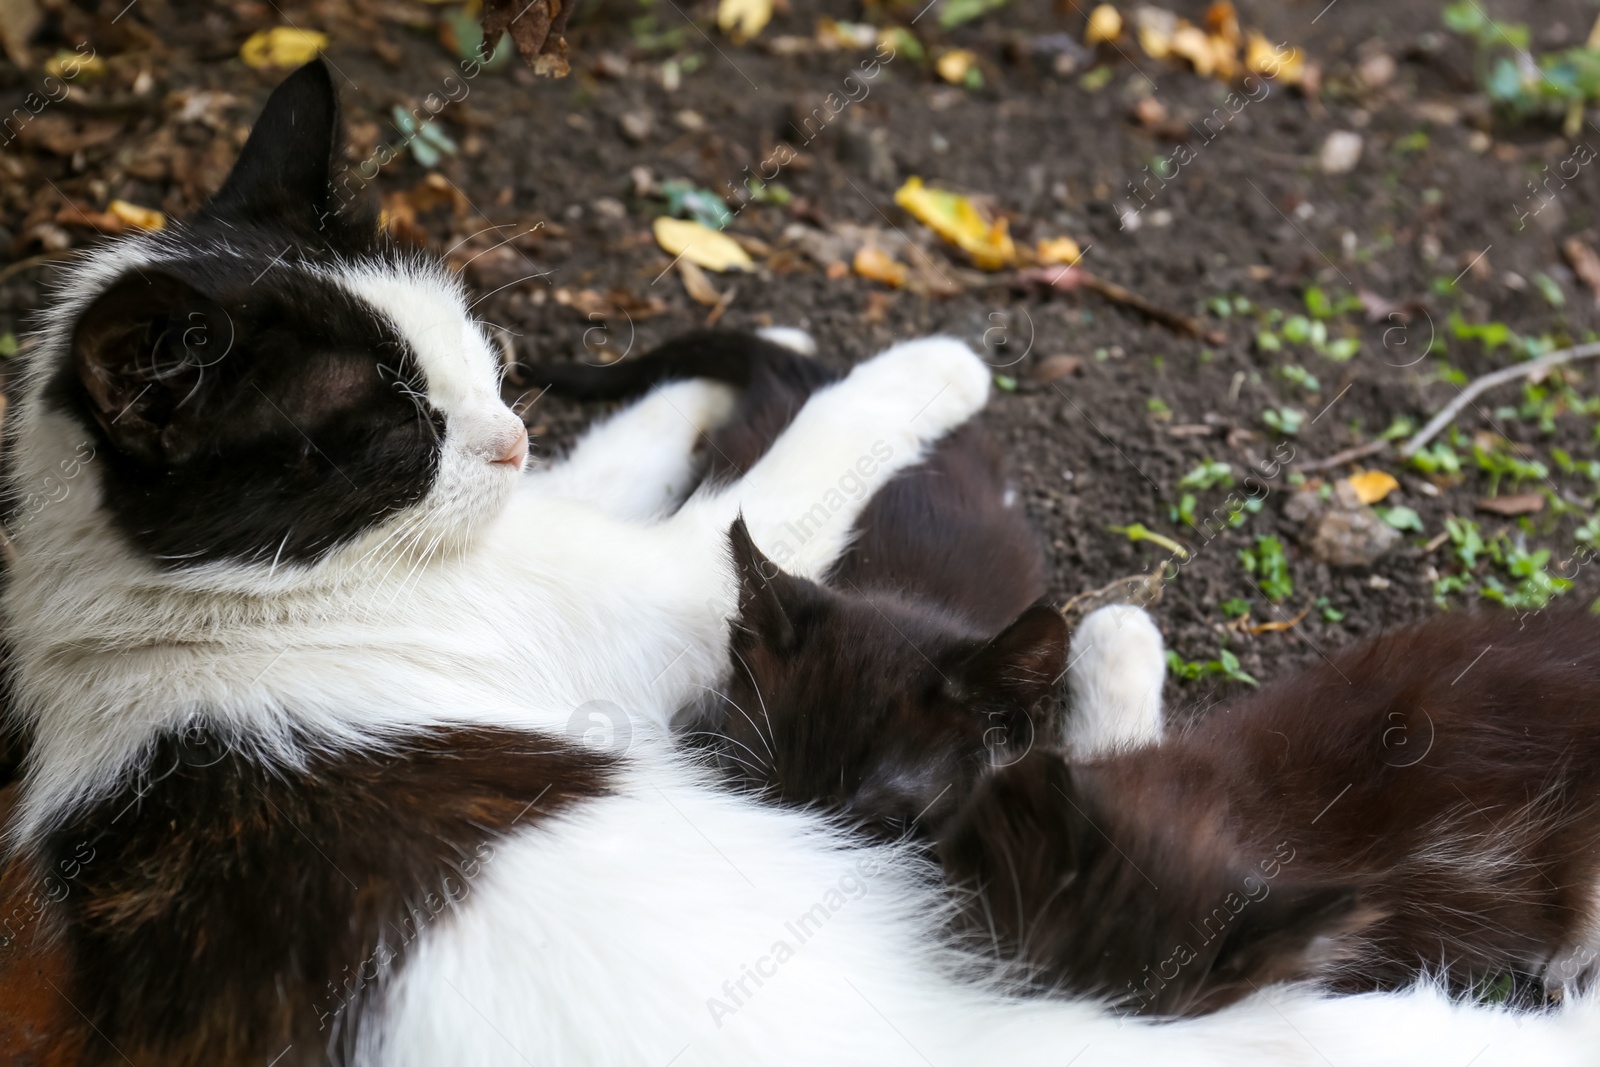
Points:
1530	586
1137	532
1267	564
1328	611
1225	666
1437	458
1207	475
1301	377
428	142
1286	421
1235	608
1401	518
1556	84
1500	463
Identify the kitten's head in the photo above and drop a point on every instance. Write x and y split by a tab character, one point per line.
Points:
270	383
880	708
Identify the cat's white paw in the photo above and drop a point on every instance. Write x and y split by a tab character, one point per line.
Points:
1115	674
939	380
791	337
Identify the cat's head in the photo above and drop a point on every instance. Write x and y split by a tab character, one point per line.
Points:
268	384
874	706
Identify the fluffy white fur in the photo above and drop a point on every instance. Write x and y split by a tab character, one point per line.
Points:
1114	677
600	937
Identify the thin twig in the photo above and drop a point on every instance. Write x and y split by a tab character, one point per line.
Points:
1489	381
1167	317
1349	455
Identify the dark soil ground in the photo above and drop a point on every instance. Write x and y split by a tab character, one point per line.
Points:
1435	196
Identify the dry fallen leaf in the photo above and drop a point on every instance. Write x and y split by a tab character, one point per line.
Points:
282	46
743	19
1516	504
1373	486
1155	28
697	284
538	29
701	245
880	266
1286	68
1277	627
1104	25
141	218
955	218
1057	251
1222	22
1191	42
955	64
1585	264
1055	368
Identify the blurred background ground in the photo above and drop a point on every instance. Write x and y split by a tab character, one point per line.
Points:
1356	239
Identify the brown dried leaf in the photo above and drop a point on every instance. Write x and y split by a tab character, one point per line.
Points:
1585	264
697	284
538	29
1057	367
1516	504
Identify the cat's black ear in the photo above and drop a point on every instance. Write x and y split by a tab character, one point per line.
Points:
141	351
763	589
286	167
1023	664
1273	937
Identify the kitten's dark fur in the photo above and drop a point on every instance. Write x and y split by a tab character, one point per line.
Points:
1408	808
924	660
1428	802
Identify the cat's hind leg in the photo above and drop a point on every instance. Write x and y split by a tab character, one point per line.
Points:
1114	675
642	463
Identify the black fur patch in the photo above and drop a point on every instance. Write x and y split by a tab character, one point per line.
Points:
220	910
240	408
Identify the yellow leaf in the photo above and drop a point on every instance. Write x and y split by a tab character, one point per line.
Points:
1104	25
1055	251
1222	21
1156	28
142	218
701	245
743	19
1190	42
69	65
1594	36
282	46
954	65
880	266
1283	64
954	218
1373	486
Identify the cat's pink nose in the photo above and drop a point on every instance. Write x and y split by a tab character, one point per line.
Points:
516	452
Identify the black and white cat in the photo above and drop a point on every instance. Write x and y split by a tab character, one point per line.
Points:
299	649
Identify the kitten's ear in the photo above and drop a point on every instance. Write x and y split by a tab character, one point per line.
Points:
763	588
286	166
1275	935
141	351
1023	664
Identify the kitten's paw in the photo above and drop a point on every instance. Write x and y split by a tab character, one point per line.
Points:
939	380
791	337
1115	675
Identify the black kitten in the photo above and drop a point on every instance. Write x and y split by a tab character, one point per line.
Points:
923	660
1428	802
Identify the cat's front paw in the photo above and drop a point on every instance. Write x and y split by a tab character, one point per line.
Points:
939	381
1115	673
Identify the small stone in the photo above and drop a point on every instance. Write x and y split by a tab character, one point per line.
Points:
1378	581
1341	530
636	125
1377	70
609	207
1340	152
